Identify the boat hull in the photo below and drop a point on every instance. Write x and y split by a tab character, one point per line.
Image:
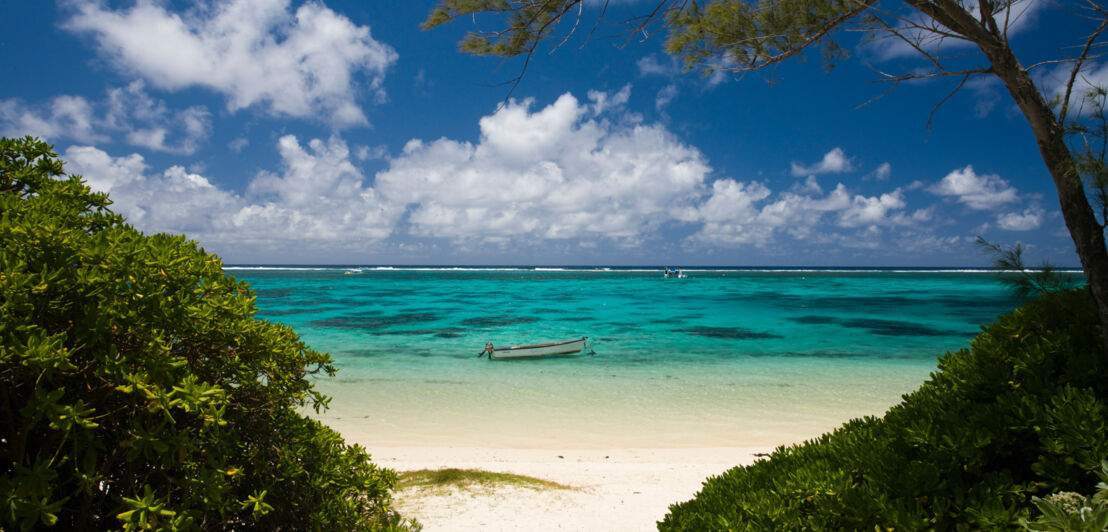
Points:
568	347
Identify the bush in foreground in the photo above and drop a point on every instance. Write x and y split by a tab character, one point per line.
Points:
1023	412
137	390
1068	511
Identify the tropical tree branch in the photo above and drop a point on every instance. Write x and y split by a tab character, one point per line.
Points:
1078	63
931	115
812	38
913	43
897	78
576	24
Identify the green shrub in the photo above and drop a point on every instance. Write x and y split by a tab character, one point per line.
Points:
1023	412
1067	511
137	390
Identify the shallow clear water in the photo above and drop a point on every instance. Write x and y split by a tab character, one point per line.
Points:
719	358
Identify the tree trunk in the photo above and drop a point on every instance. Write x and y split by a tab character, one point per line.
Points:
1085	229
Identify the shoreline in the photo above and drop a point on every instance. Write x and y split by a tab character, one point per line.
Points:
627	447
626	452
617	489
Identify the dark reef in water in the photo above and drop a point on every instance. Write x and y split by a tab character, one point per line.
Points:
894	328
498	321
448	332
303	310
729	333
878	326
374	322
815	320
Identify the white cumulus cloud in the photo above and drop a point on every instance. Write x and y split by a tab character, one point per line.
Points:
871	211
255	52
565	176
551	173
1027	220
664	96
171	201
536	176
317	201
63	117
732	214
882	173
982	192
603	101
127	113
650	66
833	162
738	213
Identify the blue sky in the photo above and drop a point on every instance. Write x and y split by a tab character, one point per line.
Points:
338	132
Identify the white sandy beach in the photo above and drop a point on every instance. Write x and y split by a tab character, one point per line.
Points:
628	449
612	490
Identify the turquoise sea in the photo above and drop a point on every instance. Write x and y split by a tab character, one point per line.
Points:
724	357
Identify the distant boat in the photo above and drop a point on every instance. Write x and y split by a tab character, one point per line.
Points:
567	347
675	273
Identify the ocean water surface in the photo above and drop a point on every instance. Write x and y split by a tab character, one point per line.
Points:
724	357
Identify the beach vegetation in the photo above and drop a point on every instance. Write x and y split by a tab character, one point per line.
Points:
470	478
963	41
1021	413
138	390
1068	511
1026	282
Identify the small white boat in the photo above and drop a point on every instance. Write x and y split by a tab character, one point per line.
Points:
674	273
567	347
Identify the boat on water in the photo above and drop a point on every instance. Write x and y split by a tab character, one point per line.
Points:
674	273
567	347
